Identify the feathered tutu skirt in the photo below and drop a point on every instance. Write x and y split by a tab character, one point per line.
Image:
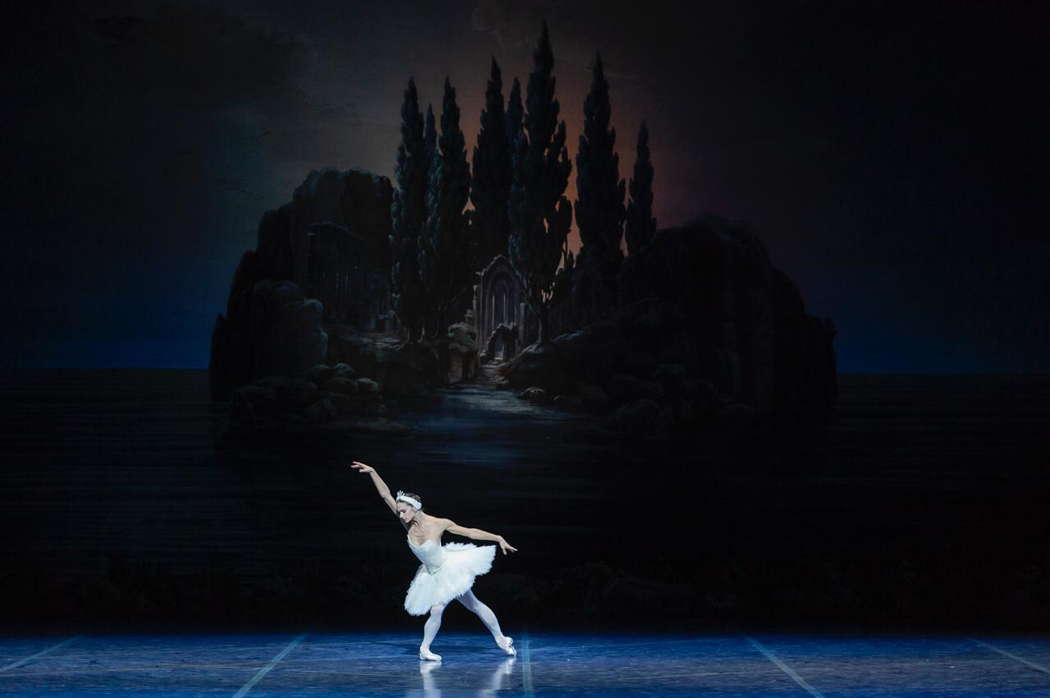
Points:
461	564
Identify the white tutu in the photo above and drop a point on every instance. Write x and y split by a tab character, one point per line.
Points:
445	572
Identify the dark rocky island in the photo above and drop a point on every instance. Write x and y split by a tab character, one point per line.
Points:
704	328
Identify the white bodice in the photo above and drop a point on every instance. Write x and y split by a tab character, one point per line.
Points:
430	553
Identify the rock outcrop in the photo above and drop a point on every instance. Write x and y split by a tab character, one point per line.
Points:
705	324
402	369
271	328
324	396
321	260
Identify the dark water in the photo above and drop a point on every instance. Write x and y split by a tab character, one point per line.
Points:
928	483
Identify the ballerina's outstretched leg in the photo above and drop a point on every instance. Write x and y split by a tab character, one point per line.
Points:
487	617
430	630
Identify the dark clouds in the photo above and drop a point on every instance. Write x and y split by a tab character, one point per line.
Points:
890	154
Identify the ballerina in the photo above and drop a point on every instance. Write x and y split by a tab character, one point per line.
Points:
445	572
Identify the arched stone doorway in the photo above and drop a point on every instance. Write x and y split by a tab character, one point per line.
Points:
498	302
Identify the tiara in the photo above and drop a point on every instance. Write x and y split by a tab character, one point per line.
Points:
402	497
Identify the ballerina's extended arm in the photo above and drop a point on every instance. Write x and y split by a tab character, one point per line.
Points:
477	534
381	486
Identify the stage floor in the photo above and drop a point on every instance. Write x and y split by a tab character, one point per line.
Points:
547	664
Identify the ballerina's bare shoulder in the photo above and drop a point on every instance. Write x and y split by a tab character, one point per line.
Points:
431	529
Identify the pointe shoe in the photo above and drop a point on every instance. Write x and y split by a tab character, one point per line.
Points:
427	654
507	645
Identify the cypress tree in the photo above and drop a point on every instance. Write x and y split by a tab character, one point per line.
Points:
444	254
490	185
599	205
640	224
407	211
540	213
513	130
430	155
429	143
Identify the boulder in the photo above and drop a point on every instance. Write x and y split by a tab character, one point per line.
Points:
401	368
534	394
343	403
639	418
416	366
538	365
592	397
275	382
320	373
304	393
321	411
277	402
367	385
737	412
623	387
343	385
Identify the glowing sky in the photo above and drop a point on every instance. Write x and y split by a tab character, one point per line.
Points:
891	156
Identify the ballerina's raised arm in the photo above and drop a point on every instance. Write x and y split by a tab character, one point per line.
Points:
381	486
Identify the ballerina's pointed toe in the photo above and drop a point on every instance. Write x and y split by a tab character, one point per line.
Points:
508	646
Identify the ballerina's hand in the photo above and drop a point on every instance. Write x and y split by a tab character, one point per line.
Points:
358	465
505	546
